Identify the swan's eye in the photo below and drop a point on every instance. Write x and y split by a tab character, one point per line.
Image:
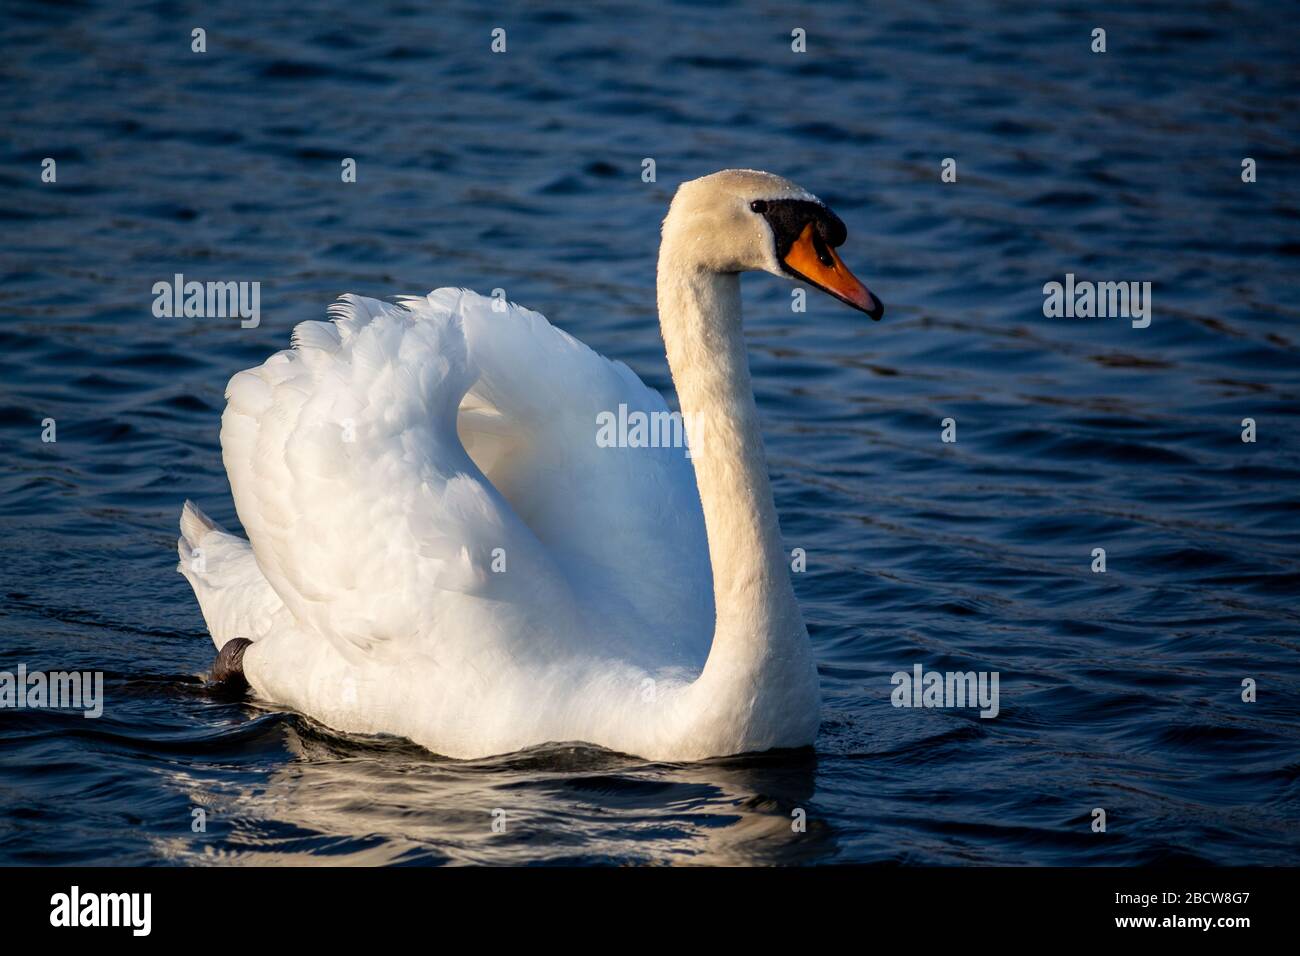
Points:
759	206
819	247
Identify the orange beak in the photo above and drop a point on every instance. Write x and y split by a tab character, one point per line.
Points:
810	258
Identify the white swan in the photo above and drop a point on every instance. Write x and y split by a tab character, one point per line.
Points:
439	548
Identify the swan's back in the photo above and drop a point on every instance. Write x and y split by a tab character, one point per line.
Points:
419	476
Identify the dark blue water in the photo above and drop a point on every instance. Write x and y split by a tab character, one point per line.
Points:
522	171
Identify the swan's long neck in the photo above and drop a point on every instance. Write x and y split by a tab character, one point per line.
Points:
760	639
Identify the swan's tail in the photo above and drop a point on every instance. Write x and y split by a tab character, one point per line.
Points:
194	526
236	599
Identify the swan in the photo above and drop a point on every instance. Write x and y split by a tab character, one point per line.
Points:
439	548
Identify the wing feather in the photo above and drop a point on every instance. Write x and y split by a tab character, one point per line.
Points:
383	464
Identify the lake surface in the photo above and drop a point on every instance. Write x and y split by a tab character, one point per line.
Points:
523	171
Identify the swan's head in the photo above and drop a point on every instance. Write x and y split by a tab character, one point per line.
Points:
743	220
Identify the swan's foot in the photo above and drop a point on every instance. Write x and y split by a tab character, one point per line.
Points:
228	668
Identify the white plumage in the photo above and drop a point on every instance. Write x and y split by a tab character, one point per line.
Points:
353	470
438	546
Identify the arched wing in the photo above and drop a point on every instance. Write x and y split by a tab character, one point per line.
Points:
624	523
359	500
408	468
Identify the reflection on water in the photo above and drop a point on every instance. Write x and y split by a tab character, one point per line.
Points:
386	801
